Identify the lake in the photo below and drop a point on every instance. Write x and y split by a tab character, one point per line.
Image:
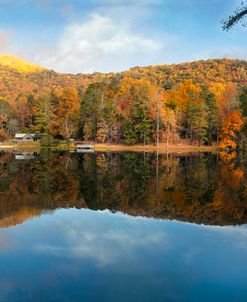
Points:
123	227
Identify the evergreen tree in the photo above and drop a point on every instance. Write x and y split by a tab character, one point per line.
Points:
43	115
129	134
211	115
142	124
243	108
243	101
90	110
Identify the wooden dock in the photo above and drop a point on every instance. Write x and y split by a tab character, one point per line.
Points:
85	148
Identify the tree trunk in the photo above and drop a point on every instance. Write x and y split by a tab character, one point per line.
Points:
167	136
158	128
191	134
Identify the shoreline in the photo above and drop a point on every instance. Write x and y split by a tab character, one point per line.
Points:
35	146
152	148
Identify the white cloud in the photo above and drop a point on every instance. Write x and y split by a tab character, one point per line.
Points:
95	238
115	36
100	43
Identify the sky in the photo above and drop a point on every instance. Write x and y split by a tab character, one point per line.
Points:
80	36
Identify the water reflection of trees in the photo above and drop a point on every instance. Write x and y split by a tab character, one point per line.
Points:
200	188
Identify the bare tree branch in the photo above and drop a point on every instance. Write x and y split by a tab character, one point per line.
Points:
238	16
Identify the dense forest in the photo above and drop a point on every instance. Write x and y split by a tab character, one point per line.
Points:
203	102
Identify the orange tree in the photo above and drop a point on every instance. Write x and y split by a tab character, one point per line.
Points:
230	130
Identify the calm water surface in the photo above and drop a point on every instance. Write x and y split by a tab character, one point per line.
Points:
123	227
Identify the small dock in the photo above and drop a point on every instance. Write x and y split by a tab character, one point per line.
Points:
87	148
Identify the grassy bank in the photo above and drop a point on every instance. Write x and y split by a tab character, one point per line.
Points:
152	148
64	146
35	146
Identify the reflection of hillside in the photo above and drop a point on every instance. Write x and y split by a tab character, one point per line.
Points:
18	217
199	189
212	214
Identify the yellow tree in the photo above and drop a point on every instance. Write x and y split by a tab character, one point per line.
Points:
164	115
66	111
226	95
188	103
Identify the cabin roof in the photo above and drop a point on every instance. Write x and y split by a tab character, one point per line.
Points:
22	135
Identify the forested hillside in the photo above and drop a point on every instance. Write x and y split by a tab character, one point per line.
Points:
202	101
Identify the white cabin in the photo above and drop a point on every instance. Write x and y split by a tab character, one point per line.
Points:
25	137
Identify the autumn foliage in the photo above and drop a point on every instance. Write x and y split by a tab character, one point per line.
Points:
197	102
230	130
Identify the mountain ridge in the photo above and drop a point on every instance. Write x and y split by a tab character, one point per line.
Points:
9	60
19	64
28	78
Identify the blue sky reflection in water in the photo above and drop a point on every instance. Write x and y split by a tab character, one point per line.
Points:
84	255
